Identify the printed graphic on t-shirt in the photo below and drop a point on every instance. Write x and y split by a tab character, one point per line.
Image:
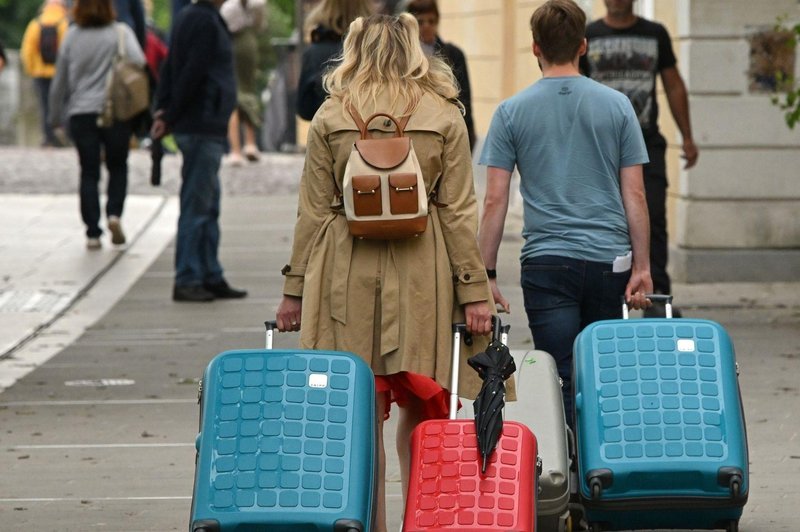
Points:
629	65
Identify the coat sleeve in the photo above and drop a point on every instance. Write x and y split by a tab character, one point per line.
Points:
459	217
316	195
184	79
133	51
310	93
30	46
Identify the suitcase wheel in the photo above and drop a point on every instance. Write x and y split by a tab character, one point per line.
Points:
733	526
736	488
595	527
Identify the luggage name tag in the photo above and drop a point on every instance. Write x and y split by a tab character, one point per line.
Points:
318	380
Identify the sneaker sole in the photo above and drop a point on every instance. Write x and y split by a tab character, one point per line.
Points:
117	236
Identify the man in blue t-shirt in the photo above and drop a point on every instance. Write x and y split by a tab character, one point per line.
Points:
579	151
628	53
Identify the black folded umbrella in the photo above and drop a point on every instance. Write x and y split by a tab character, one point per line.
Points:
494	366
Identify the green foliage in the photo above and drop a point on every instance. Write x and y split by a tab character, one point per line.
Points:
789	101
280	24
14	18
162	13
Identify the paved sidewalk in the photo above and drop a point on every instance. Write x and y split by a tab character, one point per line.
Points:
99	412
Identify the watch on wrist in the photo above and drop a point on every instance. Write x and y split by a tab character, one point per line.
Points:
491	274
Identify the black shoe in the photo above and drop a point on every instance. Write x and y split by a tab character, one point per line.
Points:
191	293
223	290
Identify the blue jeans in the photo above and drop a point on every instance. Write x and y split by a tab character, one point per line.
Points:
114	143
562	296
43	89
197	243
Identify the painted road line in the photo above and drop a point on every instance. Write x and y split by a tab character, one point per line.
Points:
97	446
96	499
110	402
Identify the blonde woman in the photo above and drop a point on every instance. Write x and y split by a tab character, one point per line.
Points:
391	302
325	28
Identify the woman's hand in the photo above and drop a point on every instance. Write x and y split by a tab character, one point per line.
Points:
478	316
288	314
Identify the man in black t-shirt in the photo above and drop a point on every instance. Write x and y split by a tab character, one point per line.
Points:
628	53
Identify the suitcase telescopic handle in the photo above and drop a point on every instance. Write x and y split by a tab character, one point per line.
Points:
499	332
459	329
271	325
663	298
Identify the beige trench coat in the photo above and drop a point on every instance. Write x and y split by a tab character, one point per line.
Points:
391	302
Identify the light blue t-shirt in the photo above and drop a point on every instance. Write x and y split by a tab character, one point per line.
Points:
568	137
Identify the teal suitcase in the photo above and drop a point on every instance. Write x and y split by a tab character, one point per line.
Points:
661	438
286	443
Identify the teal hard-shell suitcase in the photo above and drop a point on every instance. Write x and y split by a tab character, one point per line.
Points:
286	443
661	436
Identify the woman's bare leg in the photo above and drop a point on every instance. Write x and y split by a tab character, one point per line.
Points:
380	511
408	419
233	134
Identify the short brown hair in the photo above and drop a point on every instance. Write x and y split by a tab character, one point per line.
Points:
93	13
559	27
423	7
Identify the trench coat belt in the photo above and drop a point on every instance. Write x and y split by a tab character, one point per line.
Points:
390	290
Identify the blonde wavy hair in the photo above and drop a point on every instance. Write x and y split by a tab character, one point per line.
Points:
383	53
337	14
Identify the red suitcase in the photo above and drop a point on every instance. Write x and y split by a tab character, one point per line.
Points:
447	490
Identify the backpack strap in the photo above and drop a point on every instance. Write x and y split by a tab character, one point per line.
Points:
120	40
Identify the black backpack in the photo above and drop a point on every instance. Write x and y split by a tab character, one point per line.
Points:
48	42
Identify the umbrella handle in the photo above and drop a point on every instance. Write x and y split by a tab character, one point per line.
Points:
499	331
459	329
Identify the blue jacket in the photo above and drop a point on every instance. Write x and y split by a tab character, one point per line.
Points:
131	13
197	90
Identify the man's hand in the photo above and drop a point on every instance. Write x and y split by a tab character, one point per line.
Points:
638	286
498	297
690	153
478	317
288	314
159	128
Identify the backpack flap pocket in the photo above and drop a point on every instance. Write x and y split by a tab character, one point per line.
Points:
367	195
385	153
404	193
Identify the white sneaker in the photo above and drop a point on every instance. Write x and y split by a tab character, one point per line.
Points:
117	236
234	159
93	243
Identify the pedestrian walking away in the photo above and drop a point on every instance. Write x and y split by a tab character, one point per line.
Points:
245	20
80	92
427	15
628	53
392	302
325	28
196	96
38	53
579	152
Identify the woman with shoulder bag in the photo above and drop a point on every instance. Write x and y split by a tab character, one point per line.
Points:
79	95
392	302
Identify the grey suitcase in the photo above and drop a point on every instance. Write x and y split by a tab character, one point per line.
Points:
540	407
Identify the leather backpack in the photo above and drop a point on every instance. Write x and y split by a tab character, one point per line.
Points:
383	190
